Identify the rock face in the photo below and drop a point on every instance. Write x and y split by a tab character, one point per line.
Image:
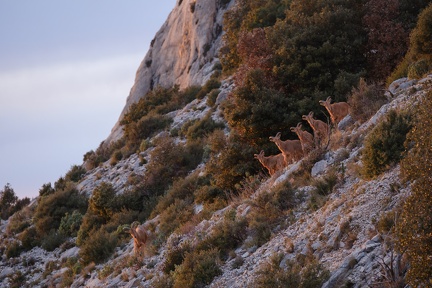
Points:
183	52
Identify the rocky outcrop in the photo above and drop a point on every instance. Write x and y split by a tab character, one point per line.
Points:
183	52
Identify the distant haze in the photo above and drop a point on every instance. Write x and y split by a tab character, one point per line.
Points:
66	70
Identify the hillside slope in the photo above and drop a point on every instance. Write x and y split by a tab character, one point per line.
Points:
342	235
321	221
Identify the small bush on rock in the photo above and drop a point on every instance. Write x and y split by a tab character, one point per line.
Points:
268	210
14	249
75	173
212	97
200	128
19	221
169	161
175	257
17	280
70	223
53	207
52	240
98	247
309	275
173	216
29	238
198	269
365	100
324	186
385	144
226	235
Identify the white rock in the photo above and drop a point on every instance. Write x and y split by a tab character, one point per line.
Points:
319	167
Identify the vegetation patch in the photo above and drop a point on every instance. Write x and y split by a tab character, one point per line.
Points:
384	145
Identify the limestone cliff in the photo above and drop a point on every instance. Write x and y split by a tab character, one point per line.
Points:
183	52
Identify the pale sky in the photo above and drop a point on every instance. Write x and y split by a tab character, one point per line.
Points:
66	68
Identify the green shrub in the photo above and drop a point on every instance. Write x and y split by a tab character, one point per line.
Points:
208	194
384	145
29	238
67	278
256	111
116	157
182	188
103	200
145	127
200	128
8	199
235	160
212	96
418	59
156	101
316	200
169	161
98	246
420	38
173	216
90	223
52	208
314	275
198	269
93	159
13	249
133	198
259	230
162	281
150	124
19	221
52	240
418	69
70	223
107	270
75	173
121	218
399	72
268	210
175	256
306	275
61	184
17	280
46	189
272	275
211	84
324	186
145	144
386	222
366	100
190	93
227	235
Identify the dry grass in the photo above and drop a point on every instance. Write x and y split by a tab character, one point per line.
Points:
246	189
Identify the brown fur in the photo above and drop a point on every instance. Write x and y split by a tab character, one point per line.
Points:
306	138
337	111
139	235
321	129
273	163
291	149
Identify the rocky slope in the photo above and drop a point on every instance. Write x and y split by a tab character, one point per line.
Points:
342	234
